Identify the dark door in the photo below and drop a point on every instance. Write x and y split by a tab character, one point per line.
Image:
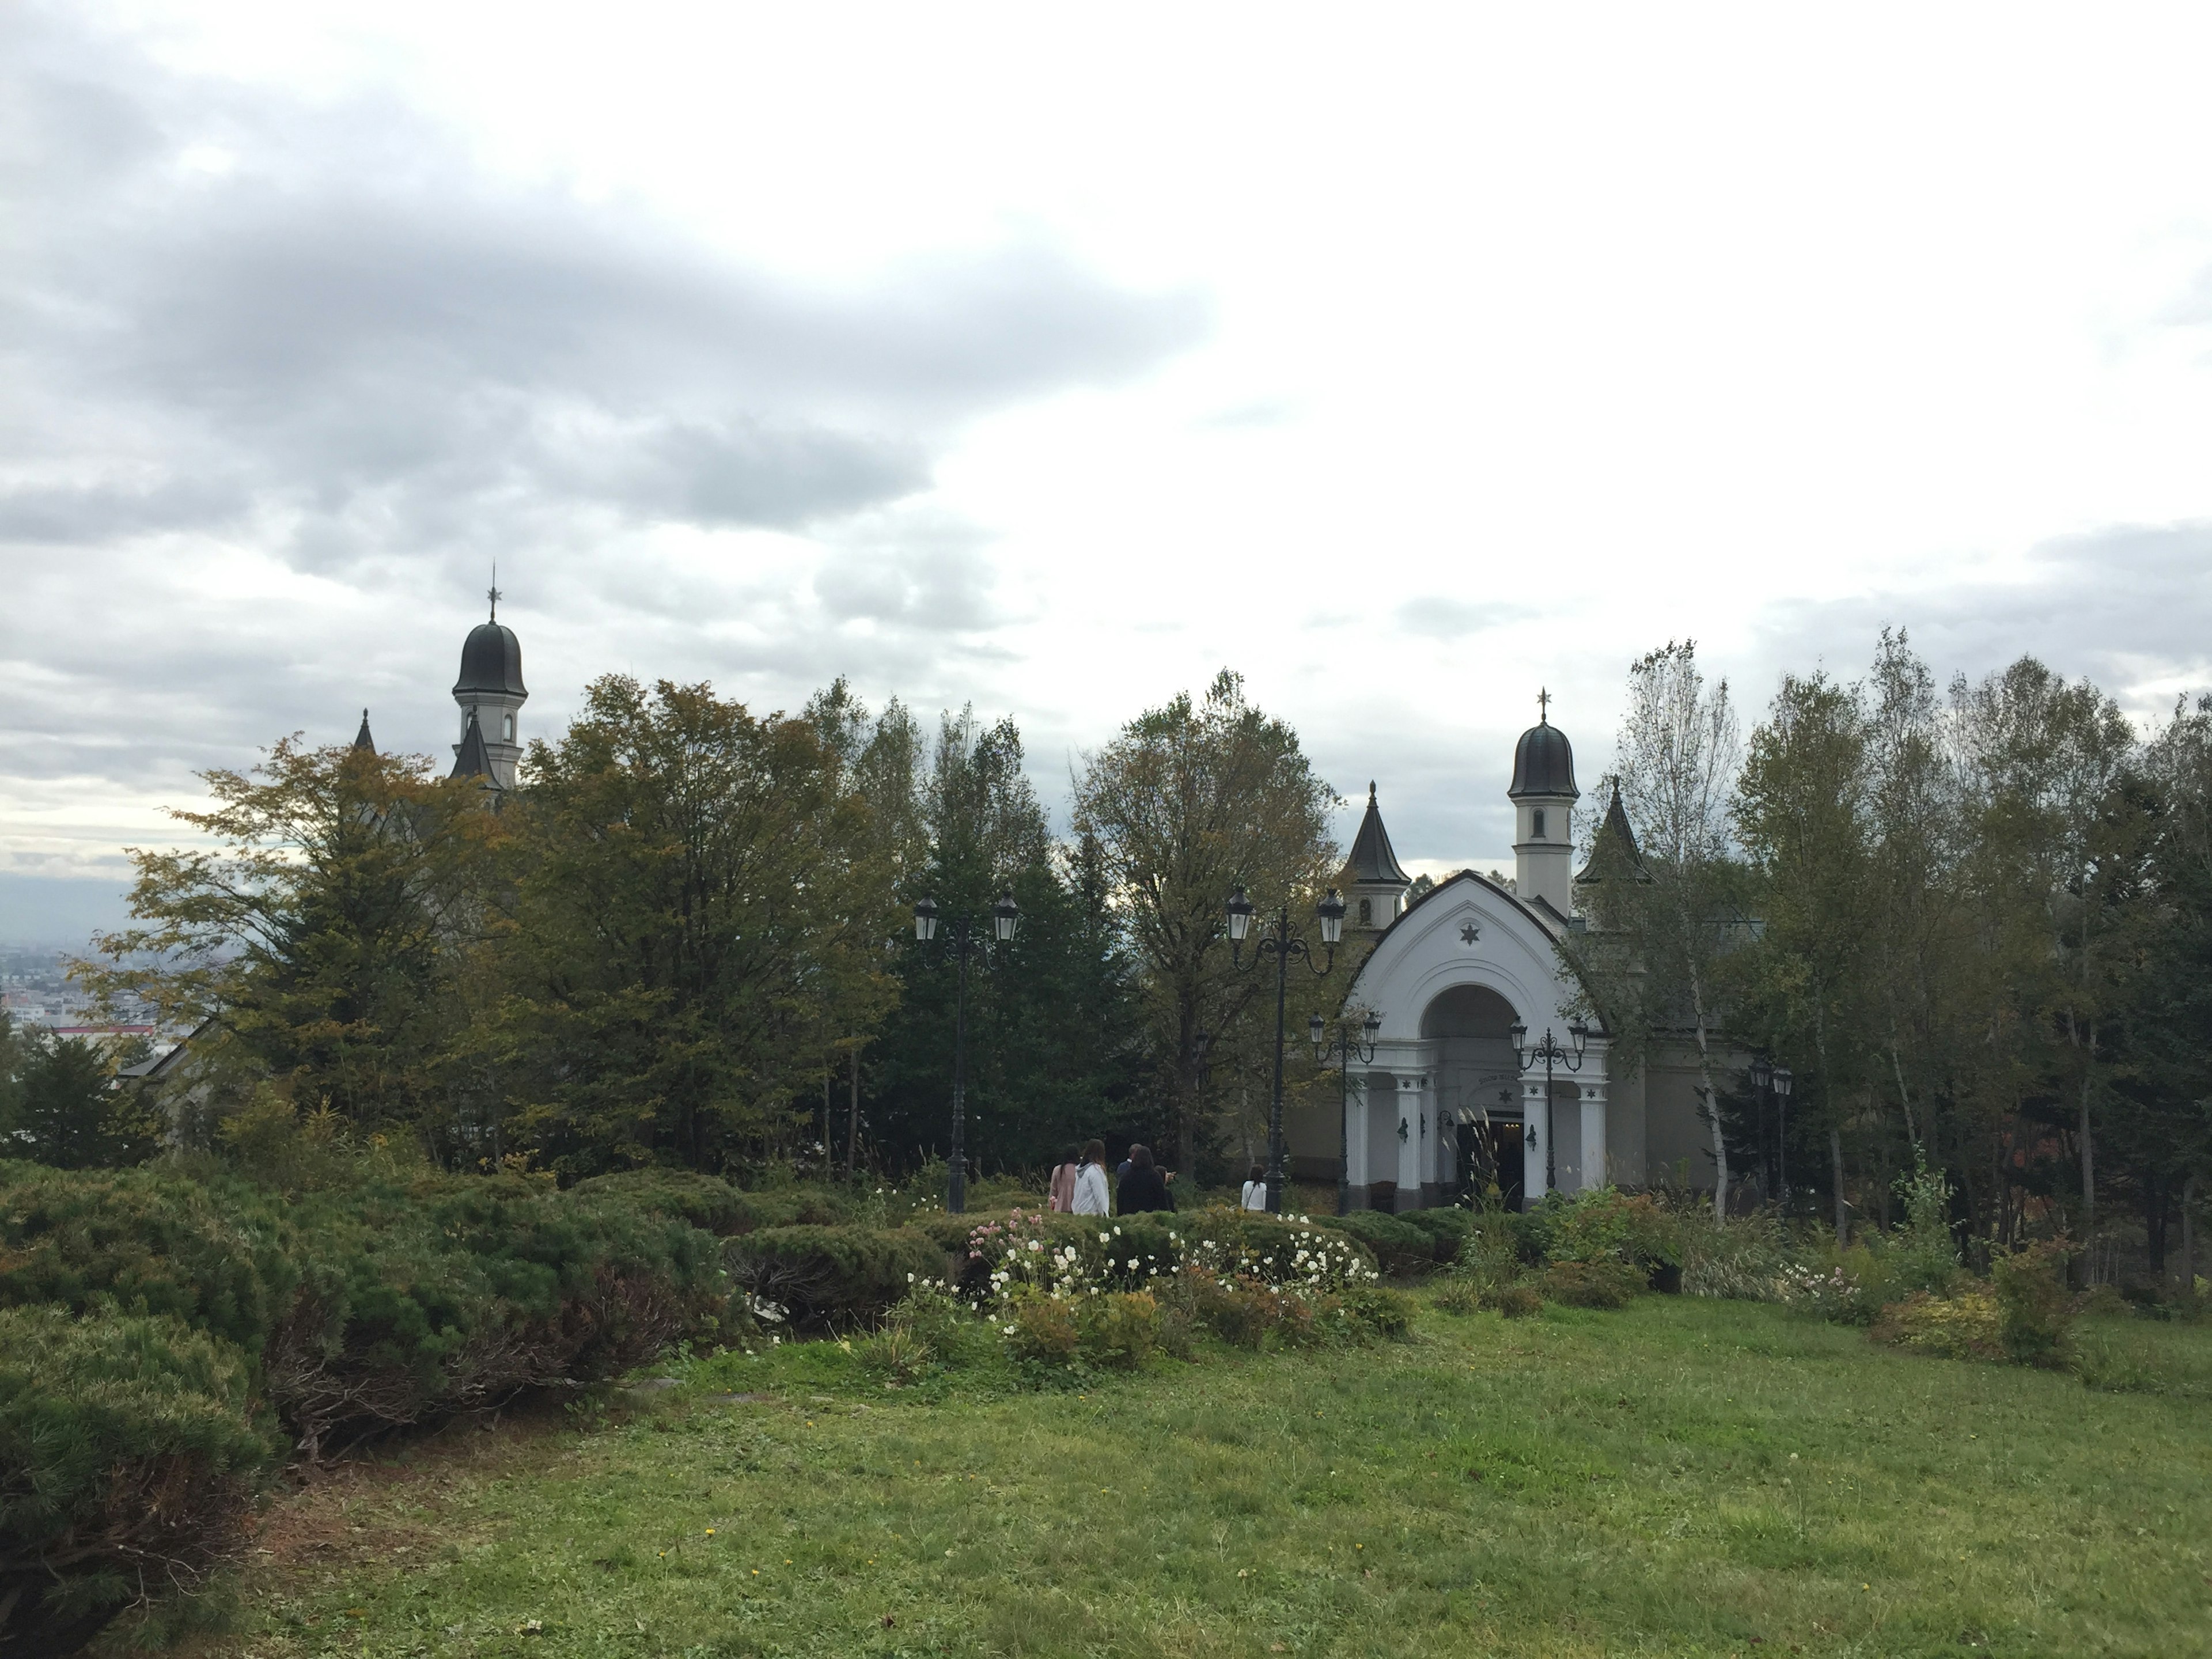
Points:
1490	1154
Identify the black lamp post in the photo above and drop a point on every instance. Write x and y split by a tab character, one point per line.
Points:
1783	1082
1549	1052
1343	1047
1762	1079
1283	945
1778	1081
1005	916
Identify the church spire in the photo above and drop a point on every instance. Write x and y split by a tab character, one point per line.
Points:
361	738
1373	884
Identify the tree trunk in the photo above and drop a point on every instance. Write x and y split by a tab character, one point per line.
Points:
1712	1102
1836	1160
2189	1236
2088	1167
852	1122
2156	1191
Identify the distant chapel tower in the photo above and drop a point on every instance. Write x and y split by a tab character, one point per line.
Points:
1374	886
1543	796
491	694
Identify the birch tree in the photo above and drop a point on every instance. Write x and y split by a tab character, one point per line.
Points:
1678	753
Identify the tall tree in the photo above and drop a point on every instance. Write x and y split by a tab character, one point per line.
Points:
2063	828
697	919
324	930
1050	1043
1802	816
1653	961
1190	800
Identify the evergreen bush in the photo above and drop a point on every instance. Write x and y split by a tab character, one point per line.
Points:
215	1254
833	1276
1400	1247
130	1449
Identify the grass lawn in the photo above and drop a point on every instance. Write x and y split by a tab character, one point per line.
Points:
1682	1477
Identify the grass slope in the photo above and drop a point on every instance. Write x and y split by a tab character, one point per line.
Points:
1680	1478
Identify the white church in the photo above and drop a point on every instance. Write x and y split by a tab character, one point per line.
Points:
1467	979
1472	993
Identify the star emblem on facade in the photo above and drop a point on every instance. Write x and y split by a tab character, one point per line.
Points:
1469	934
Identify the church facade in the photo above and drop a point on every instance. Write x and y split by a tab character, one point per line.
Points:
1483	1071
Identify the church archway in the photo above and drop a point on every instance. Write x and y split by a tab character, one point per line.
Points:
1468	1011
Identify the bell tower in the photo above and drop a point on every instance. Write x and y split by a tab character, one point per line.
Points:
1543	794
490	694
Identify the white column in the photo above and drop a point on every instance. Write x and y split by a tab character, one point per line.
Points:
1596	1170
1355	1137
1412	1106
1536	1138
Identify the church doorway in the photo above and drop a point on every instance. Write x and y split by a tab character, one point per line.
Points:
1491	1154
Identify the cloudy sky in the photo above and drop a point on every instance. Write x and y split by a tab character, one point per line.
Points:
1404	359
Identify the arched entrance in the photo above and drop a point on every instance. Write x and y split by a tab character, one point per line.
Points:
1478	1092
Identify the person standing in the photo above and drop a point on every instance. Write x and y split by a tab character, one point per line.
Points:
1255	1189
1061	1197
1090	1196
1143	1188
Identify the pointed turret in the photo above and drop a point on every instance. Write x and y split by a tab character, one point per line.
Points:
1614	852
1374	885
361	738
471	758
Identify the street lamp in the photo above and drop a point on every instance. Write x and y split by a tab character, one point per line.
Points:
1345	1047
1006	917
1283	945
1783	1082
1549	1052
1762	1079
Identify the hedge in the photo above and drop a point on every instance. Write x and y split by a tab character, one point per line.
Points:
713	1206
215	1253
834	1277
130	1450
439	1294
381	1302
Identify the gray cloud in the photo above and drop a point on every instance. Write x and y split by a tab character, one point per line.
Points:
235	326
2129	605
344	317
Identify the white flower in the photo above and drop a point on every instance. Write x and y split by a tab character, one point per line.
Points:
1102	1238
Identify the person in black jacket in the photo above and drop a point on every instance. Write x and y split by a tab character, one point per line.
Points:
1143	1188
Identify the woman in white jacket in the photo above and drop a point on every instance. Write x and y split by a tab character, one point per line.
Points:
1090	1180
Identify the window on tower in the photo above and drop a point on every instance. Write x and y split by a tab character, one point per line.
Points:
510	728
1366	912
1537	819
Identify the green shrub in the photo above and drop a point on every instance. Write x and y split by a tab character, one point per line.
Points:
1044	1328
128	1454
705	1201
1378	1310
1400	1247
1601	1283
1448	1230
1963	1326
1244	1311
1604	1225
438	1293
2035	1310
1747	1258
833	1276
1514	1301
149	1241
1458	1295
1118	1331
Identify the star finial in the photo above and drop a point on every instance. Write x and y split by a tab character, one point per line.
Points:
495	590
1543	707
